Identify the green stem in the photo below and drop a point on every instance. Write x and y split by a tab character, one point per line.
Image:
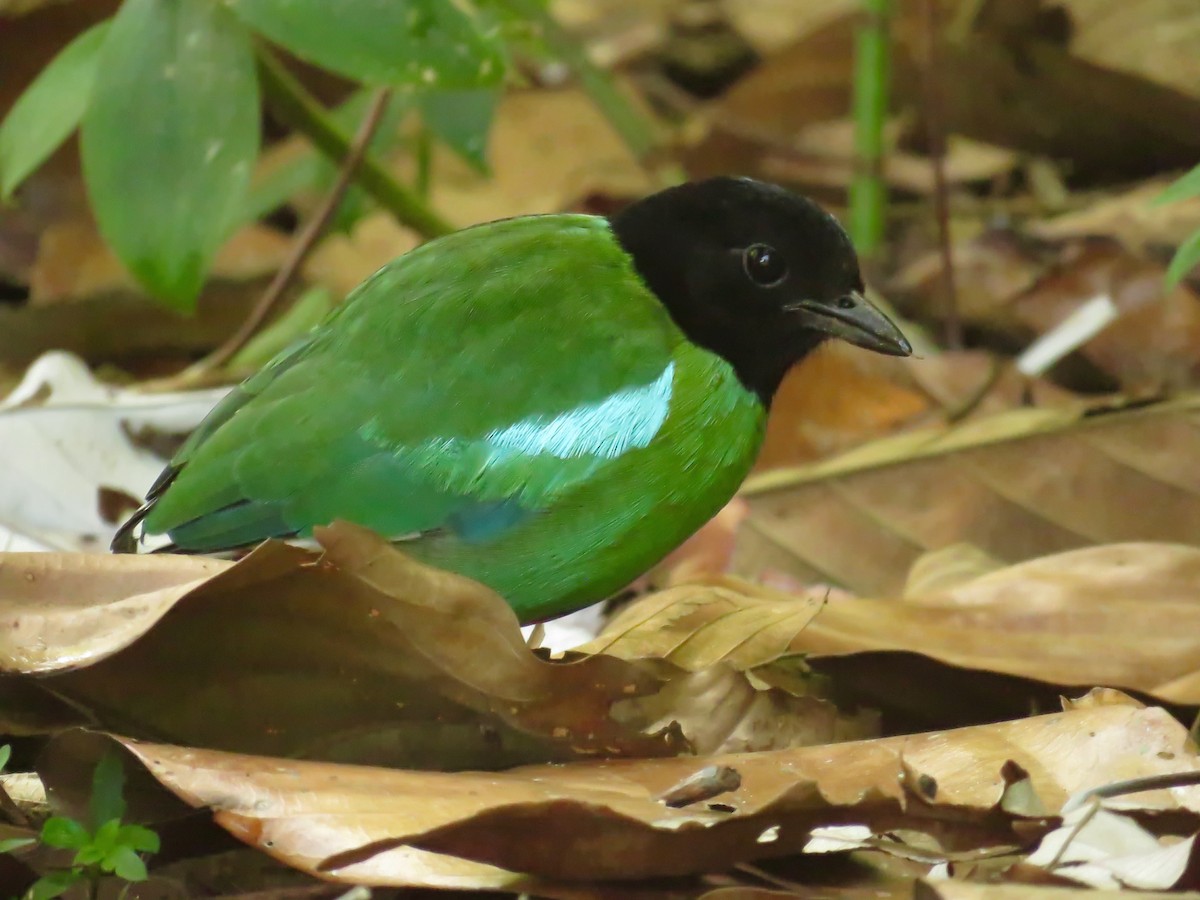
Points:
631	125
298	109
868	193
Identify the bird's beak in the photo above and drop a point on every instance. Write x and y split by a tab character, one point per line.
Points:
855	319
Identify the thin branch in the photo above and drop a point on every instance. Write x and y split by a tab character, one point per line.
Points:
293	104
630	124
936	138
307	239
1131	786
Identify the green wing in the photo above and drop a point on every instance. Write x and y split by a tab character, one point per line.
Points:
463	387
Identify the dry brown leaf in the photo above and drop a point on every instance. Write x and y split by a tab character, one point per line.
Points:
1153	343
65	611
696	626
599	820
358	653
965	890
1130	217
74	261
1153	38
1123	615
1120	615
1104	849
530	171
1018	485
836	398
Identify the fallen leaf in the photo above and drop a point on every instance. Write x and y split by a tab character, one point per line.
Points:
1154	343
71	441
836	398
1129	217
1103	849
1153	38
695	626
411	665
1017	485
599	820
1121	615
74	261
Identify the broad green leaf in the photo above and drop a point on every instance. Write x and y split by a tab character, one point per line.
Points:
169	137
5	755
125	863
64	833
104	841
462	119
138	838
519	30
1184	187
49	110
90	855
106	804
404	43
54	884
8	845
1186	258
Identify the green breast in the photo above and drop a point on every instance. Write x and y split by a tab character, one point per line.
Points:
644	500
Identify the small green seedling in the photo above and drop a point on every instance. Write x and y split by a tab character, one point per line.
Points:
105	846
1187	257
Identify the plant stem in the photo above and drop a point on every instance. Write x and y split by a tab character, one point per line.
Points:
631	125
299	109
868	193
307	239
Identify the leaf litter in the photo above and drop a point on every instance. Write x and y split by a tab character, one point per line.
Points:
255	665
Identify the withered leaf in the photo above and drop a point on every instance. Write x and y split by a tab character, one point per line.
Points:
603	819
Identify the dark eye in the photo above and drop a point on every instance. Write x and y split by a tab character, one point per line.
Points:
764	265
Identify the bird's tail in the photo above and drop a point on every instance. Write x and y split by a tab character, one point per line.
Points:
125	541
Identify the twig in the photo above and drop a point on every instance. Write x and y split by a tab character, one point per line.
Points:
1132	786
1088	815
868	194
936	137
297	108
632	127
306	240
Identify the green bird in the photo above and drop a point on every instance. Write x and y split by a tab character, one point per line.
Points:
547	404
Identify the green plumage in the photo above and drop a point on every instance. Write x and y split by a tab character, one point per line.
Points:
511	399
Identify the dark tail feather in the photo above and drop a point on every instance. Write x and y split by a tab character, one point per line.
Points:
124	540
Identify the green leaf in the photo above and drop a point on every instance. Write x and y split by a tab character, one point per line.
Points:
107	802
89	855
169	137
1187	257
124	863
64	833
462	119
8	845
104	841
5	755
49	110
138	838
1186	186
404	43
54	884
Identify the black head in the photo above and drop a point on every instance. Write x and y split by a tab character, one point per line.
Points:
754	273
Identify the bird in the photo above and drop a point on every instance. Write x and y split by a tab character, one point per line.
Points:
547	404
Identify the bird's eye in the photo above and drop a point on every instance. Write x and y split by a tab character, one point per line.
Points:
764	265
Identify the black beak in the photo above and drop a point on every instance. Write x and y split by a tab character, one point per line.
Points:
854	319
